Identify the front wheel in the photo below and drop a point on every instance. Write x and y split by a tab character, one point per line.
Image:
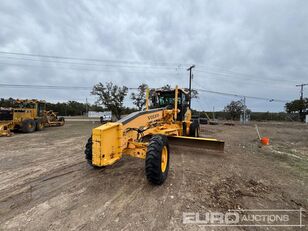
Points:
28	126
88	153
157	160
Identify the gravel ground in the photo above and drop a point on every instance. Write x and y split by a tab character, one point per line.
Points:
47	185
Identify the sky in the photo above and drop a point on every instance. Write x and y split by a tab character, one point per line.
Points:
254	48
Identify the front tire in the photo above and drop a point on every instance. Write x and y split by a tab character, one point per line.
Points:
157	160
88	153
28	126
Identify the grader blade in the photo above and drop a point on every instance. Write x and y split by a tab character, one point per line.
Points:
197	142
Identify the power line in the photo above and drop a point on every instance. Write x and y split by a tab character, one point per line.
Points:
138	64
224	70
113	70
51	87
94	64
58	87
146	66
242	96
241	76
87	69
86	59
239	95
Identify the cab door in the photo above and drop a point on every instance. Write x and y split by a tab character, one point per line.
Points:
40	109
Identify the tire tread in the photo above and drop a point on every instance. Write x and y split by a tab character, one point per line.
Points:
153	160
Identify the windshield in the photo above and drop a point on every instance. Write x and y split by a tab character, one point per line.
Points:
25	105
166	100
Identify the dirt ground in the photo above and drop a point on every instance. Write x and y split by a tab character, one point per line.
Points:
45	183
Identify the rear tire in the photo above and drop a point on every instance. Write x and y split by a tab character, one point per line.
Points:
39	125
157	160
28	126
194	129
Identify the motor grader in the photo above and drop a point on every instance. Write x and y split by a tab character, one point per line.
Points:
147	134
27	116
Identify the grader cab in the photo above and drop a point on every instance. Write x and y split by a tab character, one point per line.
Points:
27	116
147	134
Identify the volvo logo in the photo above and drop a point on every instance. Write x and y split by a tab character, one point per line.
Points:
152	117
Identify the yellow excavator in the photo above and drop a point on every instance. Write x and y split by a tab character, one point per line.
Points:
147	134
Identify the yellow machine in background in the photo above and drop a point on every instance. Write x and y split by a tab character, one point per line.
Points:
27	116
147	134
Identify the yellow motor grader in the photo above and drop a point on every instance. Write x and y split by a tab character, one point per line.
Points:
27	116
147	134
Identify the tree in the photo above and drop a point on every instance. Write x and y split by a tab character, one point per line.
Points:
140	97
7	102
70	108
235	109
298	106
96	107
194	93
111	96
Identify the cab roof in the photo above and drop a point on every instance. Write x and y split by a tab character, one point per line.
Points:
34	101
185	91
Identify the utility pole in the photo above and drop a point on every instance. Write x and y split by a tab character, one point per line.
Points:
302	89
244	109
301	116
190	78
86	107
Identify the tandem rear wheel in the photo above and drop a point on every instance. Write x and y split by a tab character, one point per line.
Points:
39	125
194	129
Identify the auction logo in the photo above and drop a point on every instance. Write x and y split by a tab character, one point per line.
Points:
270	217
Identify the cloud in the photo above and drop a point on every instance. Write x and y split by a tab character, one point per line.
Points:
256	48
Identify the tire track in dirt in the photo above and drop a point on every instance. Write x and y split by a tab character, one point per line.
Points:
32	191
